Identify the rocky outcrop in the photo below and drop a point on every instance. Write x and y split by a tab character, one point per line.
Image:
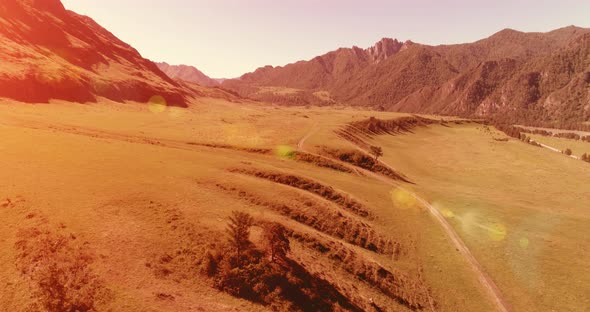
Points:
383	49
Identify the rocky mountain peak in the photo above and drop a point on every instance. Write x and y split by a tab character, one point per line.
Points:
383	49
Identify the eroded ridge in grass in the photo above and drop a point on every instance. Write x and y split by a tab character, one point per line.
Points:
359	132
296	155
408	291
254	150
59	269
361	160
283	284
375	126
321	162
325	191
324	219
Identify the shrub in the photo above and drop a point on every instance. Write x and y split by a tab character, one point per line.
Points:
567	151
58	268
283	285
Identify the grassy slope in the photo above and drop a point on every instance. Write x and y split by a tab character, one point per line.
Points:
118	175
553	130
521	209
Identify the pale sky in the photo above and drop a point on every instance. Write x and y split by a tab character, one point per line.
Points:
227	38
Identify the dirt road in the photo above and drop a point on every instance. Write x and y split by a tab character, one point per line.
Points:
485	280
557	150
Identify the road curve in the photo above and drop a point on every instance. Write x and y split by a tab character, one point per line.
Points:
556	150
311	132
485	280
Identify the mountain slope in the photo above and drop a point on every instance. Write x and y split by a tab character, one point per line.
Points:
187	73
514	74
324	72
540	86
49	52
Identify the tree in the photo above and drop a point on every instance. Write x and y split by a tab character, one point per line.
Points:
275	237
59	269
567	151
586	157
376	151
238	230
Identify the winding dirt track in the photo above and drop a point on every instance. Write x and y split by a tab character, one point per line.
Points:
485	280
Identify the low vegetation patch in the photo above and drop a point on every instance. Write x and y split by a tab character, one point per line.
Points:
59	270
321	162
359	132
397	285
362	160
564	135
266	274
528	140
375	126
509	130
311	186
517	132
324	219
233	147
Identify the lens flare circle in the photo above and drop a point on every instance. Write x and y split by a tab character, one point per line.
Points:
403	198
497	232
157	104
285	152
524	243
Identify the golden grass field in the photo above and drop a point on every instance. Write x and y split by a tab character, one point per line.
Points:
139	183
522	210
578	147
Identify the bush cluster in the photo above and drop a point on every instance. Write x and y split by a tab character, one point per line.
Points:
528	140
266	275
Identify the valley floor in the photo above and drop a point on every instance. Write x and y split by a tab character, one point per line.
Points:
150	190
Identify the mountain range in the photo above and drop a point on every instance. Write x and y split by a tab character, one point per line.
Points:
527	77
49	52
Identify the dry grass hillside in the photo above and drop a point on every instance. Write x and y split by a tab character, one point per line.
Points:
162	184
81	181
518	207
122	189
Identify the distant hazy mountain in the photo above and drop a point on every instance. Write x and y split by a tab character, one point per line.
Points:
522	76
188	73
